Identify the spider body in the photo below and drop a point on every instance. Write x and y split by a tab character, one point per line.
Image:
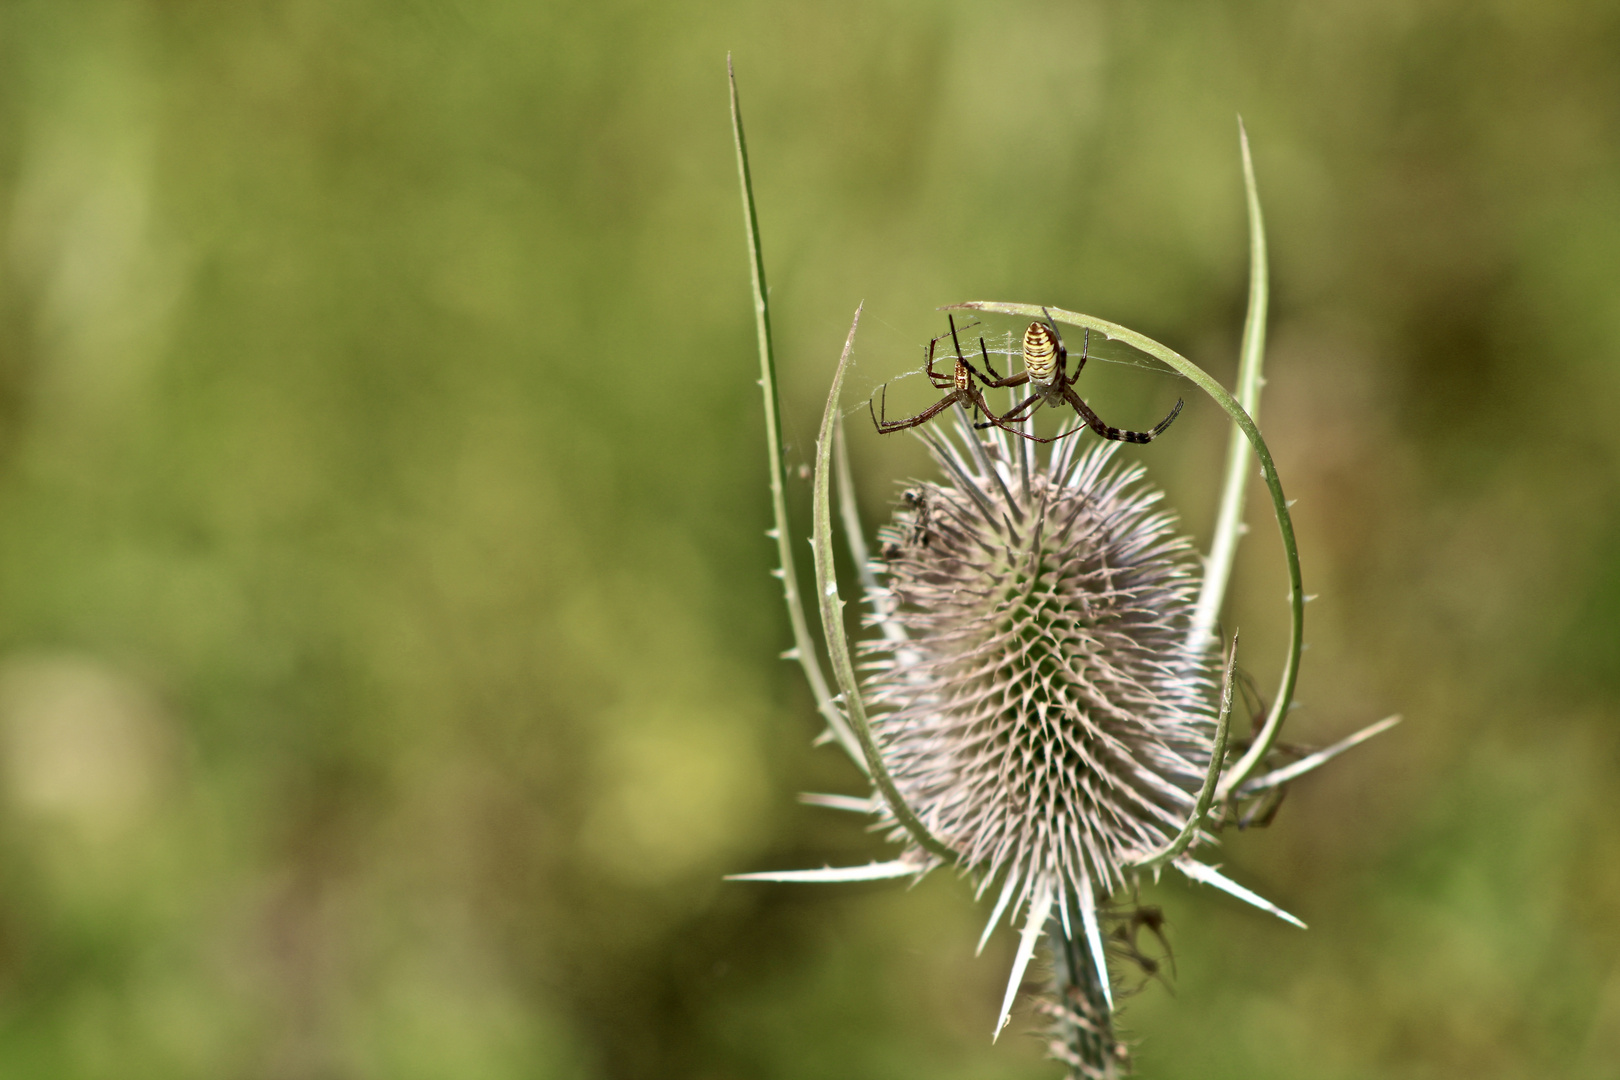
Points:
1042	348
1046	368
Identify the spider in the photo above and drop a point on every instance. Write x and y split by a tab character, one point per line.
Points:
1046	366
960	384
1152	918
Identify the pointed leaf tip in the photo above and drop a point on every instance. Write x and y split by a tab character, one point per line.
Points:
1040	909
1208	875
1094	943
995	914
834	874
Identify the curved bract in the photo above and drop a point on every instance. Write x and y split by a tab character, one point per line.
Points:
1268	471
832	616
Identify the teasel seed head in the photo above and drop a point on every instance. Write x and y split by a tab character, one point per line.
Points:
1034	693
1042	712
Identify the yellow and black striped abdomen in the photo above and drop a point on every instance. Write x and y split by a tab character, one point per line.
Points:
963	380
1041	351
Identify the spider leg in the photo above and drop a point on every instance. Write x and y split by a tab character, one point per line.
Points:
1265	808
1013	416
1107	431
1062	349
984	351
945	335
887	426
1085	348
959	357
941	382
1007	418
996	382
992	420
1158	429
1153	918
976	397
875	421
1026	435
951	334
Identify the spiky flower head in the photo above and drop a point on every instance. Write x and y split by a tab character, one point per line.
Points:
1035	695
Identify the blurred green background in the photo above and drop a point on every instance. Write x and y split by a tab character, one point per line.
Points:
387	652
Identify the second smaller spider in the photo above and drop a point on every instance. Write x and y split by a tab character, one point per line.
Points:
960	384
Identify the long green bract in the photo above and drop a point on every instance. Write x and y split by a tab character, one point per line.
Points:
803	647
1251	358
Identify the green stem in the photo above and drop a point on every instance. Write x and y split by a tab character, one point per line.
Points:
1083	1023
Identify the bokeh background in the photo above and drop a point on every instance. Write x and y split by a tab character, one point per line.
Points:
388	656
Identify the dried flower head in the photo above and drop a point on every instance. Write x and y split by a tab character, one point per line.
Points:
1041	710
1036	693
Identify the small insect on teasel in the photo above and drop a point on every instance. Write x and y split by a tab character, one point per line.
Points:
1046	366
960	384
917	500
